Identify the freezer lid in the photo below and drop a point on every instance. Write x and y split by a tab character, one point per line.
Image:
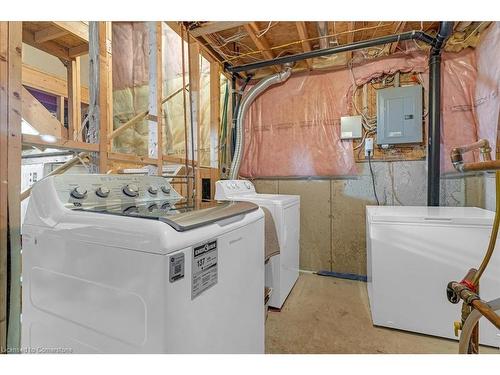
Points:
430	215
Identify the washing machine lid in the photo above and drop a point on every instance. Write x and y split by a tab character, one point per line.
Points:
178	214
430	215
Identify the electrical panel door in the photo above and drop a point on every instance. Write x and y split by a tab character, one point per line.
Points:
399	115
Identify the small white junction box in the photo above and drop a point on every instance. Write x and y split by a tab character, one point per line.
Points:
350	127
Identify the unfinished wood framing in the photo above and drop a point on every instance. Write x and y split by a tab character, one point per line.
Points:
74	99
304	36
32	77
100	93
10	180
215	27
214	113
398	29
194	96
39	117
260	42
155	123
4	131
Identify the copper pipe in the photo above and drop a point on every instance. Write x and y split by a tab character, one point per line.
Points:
472	299
494	233
487	312
484	148
490	165
481	144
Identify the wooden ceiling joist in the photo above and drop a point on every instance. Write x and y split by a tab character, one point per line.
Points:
260	42
350	37
80	50
304	37
398	29
215	27
50	46
78	29
49	33
63	39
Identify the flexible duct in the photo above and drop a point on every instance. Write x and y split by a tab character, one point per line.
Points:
245	103
470	323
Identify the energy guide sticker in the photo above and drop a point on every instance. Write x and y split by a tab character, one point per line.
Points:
204	267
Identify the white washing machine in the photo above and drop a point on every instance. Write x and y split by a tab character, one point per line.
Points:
412	254
122	264
282	270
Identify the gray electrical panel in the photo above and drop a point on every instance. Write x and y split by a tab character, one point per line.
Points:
399	115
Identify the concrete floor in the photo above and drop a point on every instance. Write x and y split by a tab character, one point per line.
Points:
329	315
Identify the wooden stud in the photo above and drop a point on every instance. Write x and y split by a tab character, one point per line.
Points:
4	136
109	50
74	101
155	136
194	95
306	44
100	93
14	148
60	110
214	113
350	38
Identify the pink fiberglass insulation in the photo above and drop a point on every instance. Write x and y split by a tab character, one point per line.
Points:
487	103
294	129
130	55
458	122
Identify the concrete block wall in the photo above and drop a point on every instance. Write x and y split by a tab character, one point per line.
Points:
333	210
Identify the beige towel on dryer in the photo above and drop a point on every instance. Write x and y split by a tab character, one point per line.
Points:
272	246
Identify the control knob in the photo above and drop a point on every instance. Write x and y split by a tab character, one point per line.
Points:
79	193
153	190
102	192
165	189
131	190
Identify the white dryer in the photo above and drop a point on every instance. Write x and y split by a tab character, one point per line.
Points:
282	270
122	264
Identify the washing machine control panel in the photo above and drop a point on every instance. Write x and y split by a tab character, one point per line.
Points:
95	189
224	189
